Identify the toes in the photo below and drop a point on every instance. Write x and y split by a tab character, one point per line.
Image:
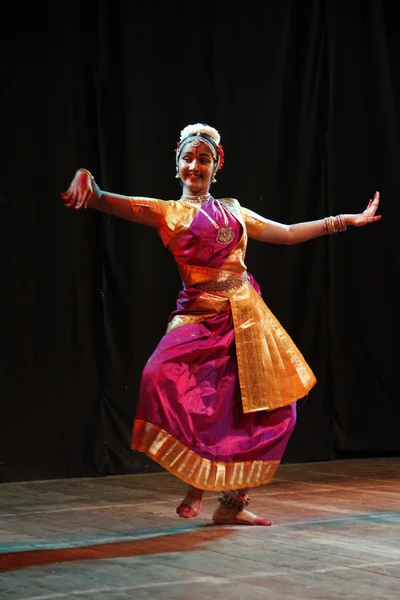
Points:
186	511
263	522
182	509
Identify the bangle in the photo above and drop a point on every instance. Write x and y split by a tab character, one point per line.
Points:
342	223
334	224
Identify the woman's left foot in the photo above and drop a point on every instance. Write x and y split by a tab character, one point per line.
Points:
229	516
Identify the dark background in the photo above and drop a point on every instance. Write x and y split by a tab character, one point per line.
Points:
306	96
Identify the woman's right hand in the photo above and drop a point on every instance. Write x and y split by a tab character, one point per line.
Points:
80	190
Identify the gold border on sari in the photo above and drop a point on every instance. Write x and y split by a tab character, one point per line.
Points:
194	470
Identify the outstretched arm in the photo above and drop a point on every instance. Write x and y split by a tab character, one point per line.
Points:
83	191
278	233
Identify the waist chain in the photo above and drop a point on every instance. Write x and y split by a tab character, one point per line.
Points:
226	285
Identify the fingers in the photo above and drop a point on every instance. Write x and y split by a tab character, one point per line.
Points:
79	204
77	201
373	204
68	198
84	200
372	208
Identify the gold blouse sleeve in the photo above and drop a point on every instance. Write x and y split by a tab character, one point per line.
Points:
254	222
148	211
166	216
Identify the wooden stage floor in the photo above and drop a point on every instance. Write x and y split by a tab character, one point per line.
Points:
336	535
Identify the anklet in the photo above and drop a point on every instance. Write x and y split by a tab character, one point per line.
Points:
234	500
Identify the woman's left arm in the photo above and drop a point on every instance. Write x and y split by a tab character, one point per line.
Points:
279	233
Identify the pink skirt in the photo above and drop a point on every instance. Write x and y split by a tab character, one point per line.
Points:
190	418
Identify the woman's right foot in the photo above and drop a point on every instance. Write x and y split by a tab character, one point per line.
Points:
191	504
231	510
229	516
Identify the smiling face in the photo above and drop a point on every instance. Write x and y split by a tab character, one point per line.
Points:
195	168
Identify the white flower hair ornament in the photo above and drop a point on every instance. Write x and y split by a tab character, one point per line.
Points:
200	133
198	129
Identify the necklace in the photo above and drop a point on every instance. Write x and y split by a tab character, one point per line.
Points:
196	199
224	234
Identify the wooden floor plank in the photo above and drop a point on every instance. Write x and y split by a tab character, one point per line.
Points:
336	534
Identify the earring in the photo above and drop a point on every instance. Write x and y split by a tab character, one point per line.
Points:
213	180
177	176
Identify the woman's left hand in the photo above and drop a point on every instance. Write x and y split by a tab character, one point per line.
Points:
366	217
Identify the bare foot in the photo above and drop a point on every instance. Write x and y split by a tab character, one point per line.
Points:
230	516
191	504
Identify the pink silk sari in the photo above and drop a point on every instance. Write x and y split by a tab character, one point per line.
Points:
190	417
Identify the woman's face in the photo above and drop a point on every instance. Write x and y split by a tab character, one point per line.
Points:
195	168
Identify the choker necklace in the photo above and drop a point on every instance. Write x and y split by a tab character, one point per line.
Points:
196	199
224	234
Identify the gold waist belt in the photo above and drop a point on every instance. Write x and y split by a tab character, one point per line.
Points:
226	285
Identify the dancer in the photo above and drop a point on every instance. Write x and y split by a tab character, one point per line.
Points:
217	402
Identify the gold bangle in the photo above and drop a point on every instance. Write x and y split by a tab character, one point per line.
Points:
343	223
334	225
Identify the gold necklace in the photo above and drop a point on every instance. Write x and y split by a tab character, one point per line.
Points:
196	199
224	234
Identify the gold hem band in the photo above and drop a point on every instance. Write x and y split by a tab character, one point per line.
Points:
194	470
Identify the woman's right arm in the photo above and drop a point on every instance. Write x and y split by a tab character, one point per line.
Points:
83	191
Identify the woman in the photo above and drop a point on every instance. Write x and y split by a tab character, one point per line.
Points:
218	396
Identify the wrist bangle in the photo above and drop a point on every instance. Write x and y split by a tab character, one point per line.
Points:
334	224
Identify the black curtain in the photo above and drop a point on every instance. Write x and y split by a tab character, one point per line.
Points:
306	98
